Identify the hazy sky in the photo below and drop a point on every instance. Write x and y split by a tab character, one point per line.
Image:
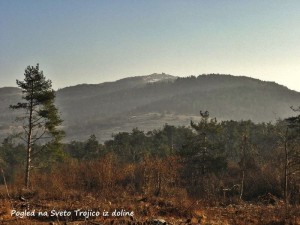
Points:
86	41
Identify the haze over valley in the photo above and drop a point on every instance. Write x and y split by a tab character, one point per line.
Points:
149	102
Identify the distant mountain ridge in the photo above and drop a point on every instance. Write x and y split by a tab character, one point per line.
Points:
148	102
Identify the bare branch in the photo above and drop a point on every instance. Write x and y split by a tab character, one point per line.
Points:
38	138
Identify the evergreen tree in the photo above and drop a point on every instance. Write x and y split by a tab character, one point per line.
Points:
294	122
204	158
207	146
91	148
292	155
40	118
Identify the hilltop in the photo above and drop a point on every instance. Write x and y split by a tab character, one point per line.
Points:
148	102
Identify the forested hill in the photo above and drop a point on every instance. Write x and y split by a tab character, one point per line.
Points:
148	102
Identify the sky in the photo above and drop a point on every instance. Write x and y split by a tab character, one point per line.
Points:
94	41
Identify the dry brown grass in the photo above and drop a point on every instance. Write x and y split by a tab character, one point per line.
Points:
150	208
150	189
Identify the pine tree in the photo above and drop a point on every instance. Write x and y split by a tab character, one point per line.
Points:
40	118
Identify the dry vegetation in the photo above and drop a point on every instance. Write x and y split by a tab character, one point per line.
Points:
150	188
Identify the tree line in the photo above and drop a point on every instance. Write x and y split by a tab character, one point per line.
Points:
206	158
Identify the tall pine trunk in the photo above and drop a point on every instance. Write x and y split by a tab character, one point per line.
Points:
29	146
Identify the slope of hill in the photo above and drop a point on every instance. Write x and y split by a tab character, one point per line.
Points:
8	96
148	102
